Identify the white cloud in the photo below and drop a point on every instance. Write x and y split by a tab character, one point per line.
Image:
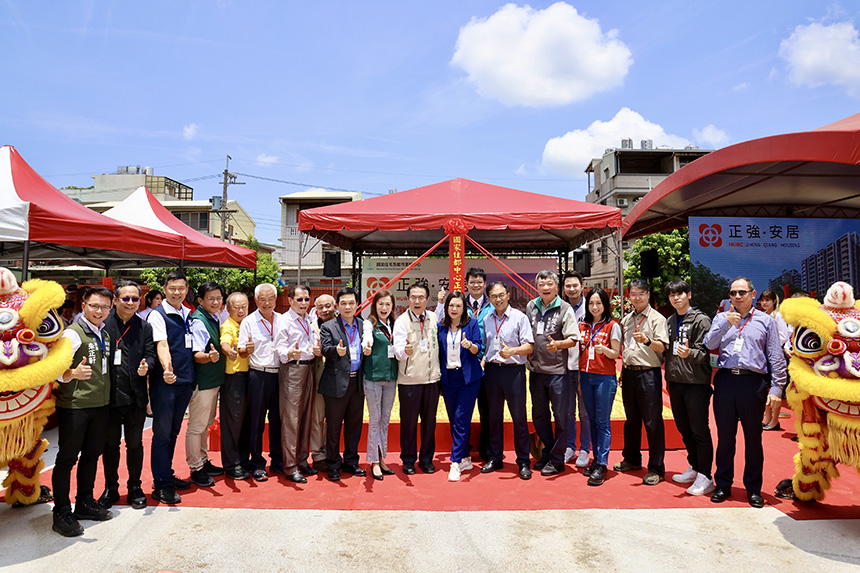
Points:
522	56
571	153
521	170
266	160
190	131
741	87
820	54
711	136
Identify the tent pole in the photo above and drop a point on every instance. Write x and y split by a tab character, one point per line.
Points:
619	279
25	262
299	270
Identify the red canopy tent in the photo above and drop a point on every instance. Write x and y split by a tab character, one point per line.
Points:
37	222
143	209
813	174
527	221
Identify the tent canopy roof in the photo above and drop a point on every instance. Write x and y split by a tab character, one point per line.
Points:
144	209
812	174
530	221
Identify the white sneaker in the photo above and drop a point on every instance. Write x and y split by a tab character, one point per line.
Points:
582	459
703	486
454	472
689	476
568	455
465	464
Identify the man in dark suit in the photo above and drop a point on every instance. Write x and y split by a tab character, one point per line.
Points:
133	356
342	386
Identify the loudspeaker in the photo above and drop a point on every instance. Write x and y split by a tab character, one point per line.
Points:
582	262
331	264
649	263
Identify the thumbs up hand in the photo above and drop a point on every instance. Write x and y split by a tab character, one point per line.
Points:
142	368
84	371
733	316
231	350
409	349
506	351
295	353
169	376
552	345
367	349
214	355
440	296
341	349
317	348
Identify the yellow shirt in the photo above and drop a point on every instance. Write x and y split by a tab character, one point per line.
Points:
230	335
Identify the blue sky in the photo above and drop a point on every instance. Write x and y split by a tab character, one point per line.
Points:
370	96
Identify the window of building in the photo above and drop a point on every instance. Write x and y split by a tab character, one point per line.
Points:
195	220
604	251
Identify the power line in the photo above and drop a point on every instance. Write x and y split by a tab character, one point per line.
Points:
307	184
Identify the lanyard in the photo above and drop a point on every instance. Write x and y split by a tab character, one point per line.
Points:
638	324
307	330
742	326
499	324
678	326
421	321
118	340
346	328
454	335
384	330
268	327
594	334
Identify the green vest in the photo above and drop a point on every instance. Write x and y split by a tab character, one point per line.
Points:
378	367
94	392
211	374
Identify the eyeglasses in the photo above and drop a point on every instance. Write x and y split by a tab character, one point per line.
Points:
99	307
476	283
418	298
176	289
740	293
130	299
303	299
498	296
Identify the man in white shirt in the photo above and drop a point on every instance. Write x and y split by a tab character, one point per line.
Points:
260	327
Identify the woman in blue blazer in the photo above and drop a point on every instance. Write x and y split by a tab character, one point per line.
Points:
459	346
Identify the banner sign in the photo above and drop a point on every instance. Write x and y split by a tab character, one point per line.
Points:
457	252
376	272
783	254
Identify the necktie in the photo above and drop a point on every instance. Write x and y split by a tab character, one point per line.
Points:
475	306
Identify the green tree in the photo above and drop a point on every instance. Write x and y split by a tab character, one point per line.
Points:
233	280
709	289
673	252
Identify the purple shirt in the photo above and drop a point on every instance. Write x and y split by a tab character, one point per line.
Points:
761	350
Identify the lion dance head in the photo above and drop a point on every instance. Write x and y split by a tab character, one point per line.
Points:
825	386
32	356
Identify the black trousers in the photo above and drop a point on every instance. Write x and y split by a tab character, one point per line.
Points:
739	398
235	423
128	420
262	400
346	412
81	431
507	383
418	401
550	390
642	394
691	408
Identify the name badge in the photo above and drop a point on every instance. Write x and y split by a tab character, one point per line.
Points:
117	357
539	328
591	353
675	346
423	345
188	341
104	364
714	360
739	343
497	346
390	351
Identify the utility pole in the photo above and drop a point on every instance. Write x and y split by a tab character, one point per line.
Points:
223	212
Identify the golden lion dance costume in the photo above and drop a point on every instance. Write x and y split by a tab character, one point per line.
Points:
825	387
32	357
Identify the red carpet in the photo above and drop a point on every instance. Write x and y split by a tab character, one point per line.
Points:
503	490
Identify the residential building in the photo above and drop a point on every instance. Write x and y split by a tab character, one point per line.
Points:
838	261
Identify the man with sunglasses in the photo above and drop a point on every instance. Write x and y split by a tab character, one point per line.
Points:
750	375
294	344
133	356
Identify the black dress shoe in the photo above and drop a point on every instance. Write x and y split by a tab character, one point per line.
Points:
386	471
376	472
212	469
66	525
89	509
180	484
427	467
590	469
238	473
166	495
201	478
136	498
721	494
354	470
755	499
525	472
408	468
491	466
334	474
297	477
260	475
109	497
321	466
550	470
308	470
598	475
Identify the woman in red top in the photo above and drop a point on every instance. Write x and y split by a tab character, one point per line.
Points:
600	340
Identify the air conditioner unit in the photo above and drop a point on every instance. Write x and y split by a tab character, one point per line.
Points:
621	202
